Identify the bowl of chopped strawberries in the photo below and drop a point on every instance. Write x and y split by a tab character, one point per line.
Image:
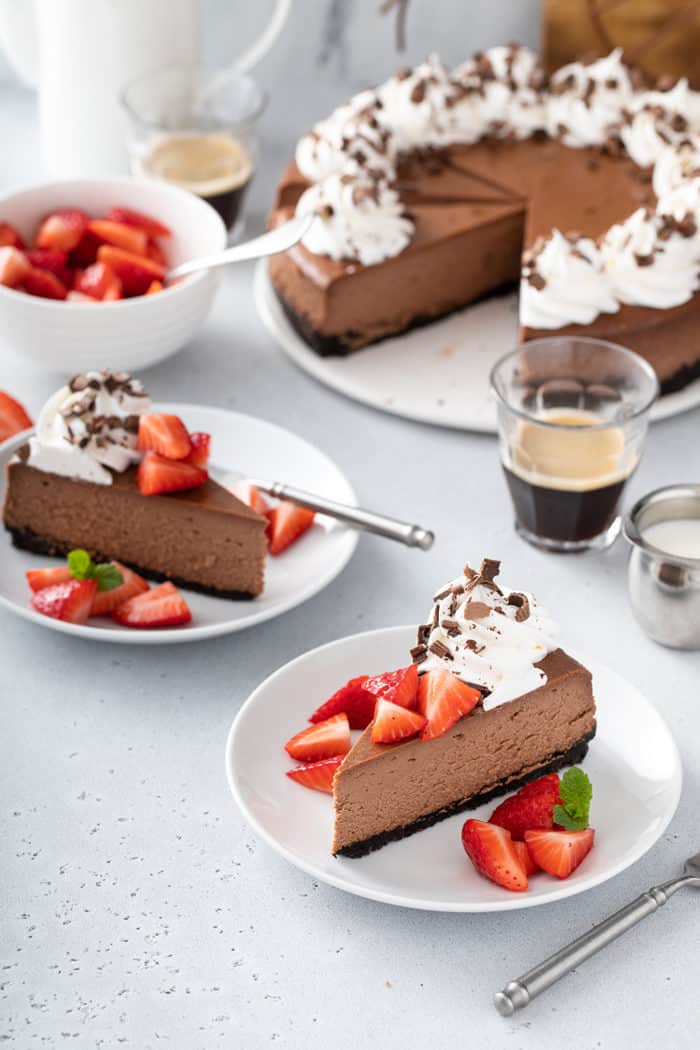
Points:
83	265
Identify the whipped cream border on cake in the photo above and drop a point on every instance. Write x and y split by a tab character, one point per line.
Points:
351	160
487	635
89	427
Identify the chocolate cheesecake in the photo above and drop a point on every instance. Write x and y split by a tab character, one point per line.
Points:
537	714
437	189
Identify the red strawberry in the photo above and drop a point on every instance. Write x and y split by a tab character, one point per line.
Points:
143	222
119	234
525	858
492	853
317	775
105	602
69	601
157	475
392	722
154	287
351	698
53	260
40	578
163	606
113	293
199	449
323	740
9	237
154	252
62	229
251	496
13	417
14	267
443	699
548	783
530	808
85	252
165	434
287	523
97	280
136	272
400	687
559	852
44	284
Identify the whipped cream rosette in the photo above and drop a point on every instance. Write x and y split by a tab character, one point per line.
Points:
651	260
563	282
586	103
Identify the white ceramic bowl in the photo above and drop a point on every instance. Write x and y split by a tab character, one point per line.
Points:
129	334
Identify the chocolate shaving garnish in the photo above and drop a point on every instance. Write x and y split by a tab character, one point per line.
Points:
474	646
452	628
522	605
476	610
419	653
536	280
469	572
489	570
418	93
440	650
442	594
644	260
325	211
78	383
435	617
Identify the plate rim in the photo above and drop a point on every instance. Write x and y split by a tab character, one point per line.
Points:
293	347
196	633
513	902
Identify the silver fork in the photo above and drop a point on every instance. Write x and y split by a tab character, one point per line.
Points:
517	994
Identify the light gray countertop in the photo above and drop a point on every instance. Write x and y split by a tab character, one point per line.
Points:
137	907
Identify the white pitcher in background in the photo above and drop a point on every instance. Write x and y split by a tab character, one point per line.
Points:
81	53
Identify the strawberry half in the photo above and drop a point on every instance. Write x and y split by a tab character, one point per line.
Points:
443	699
53	260
324	740
529	808
97	280
38	579
559	852
525	856
287	523
392	722
106	602
154	287
492	852
157	475
199	449
129	238
62	229
317	775
85	252
44	284
354	700
136	272
10	237
399	687
165	434
147	223
163	606
14	266
13	417
155	252
70	601
251	496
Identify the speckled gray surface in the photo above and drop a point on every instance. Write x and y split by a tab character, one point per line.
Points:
138	910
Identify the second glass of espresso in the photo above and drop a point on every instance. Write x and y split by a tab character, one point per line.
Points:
572	418
198	129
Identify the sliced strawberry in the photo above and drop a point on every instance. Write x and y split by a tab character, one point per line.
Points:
530	808
251	496
323	740
525	857
9	237
559	852
163	606
548	783
14	267
119	234
351	698
97	280
317	775
392	722
44	284
85	251
62	229
165	434
113	293
199	449
154	287
443	699
136	272
155	252
53	260
158	475
400	687
493	854
143	222
70	601
13	417
79	297
38	579
105	602
287	523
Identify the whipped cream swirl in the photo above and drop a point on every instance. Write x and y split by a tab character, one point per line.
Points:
90	427
504	86
563	282
657	119
357	218
652	260
415	104
351	139
586	103
486	635
676	164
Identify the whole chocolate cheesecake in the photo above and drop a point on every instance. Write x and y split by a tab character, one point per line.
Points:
440	187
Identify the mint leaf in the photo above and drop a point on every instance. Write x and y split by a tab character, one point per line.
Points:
576	792
80	564
108	576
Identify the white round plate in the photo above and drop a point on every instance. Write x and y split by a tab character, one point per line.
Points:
633	763
240	443
436	374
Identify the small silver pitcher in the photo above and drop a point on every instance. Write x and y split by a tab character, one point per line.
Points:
664	588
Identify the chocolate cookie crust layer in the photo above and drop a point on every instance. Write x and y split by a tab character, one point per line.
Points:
571	757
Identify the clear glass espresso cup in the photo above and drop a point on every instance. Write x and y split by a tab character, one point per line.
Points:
572	419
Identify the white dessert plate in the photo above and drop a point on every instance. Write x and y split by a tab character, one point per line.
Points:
239	443
636	776
437	374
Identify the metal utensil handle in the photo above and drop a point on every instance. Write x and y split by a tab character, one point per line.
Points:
517	994
278	240
401	531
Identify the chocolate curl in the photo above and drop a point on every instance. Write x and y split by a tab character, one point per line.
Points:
489	570
522	605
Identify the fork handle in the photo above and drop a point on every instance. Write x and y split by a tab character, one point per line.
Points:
517	994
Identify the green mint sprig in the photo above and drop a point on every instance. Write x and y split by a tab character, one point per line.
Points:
576	792
82	567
